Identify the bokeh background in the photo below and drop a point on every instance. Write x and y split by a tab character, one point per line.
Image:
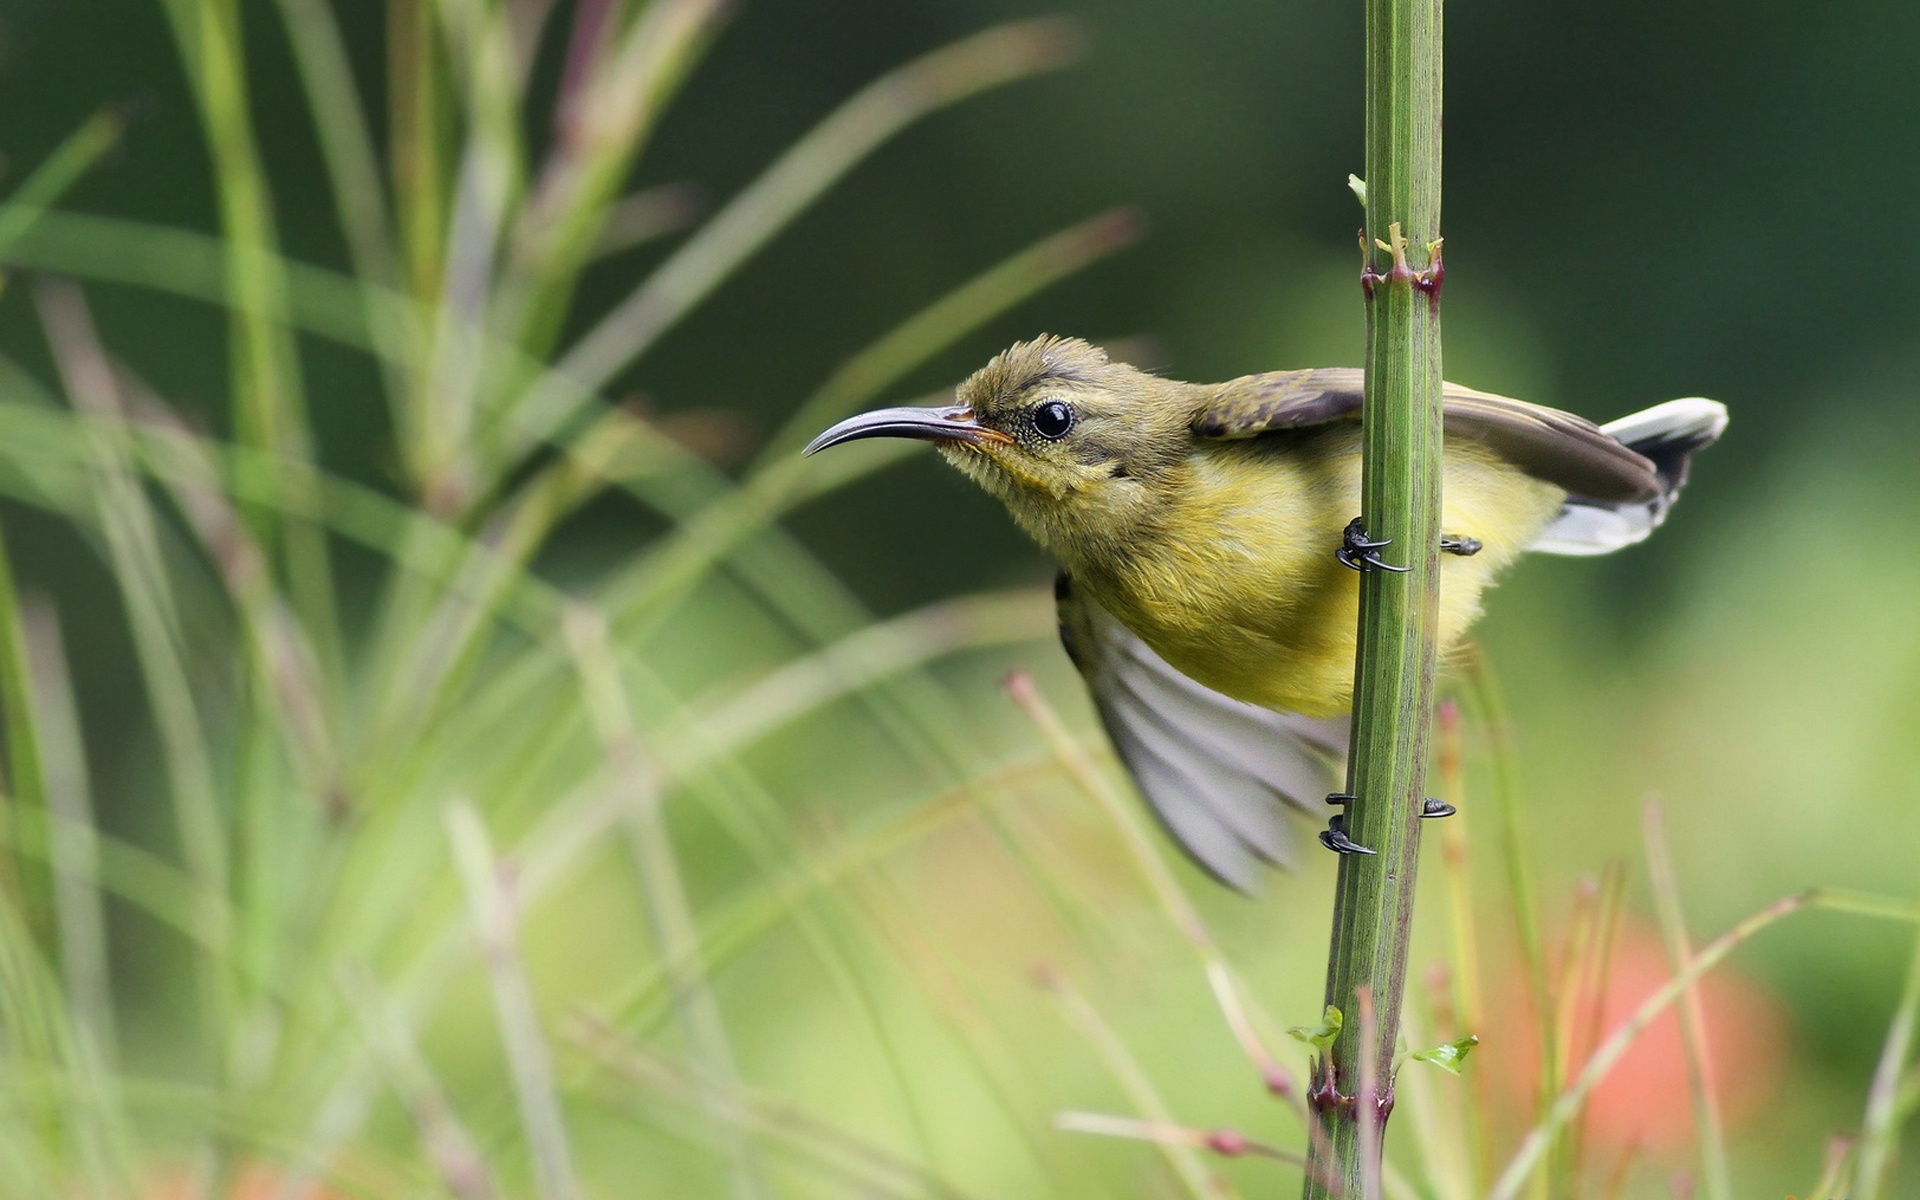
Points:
1642	201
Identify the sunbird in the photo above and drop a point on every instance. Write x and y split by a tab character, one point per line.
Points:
1204	534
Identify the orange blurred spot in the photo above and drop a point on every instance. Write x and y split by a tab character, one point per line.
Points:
250	1182
1647	1099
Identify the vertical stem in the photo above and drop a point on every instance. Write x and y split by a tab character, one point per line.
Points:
23	795
413	142
1715	1171
1880	1130
269	405
1393	679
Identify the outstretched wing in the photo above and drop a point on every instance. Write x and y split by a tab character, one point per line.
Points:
1565	450
1215	770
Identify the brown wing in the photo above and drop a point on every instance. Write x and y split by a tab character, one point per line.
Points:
1567	451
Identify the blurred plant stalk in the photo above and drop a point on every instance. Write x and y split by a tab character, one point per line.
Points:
303	766
1352	1092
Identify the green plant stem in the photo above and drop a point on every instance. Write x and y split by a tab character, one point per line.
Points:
497	912
1490	706
1393	679
415	155
1607	1055
72	159
813	164
1715	1171
269	406
133	551
1880	1128
23	785
1185	1160
669	912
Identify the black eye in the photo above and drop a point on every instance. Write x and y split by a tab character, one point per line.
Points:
1052	419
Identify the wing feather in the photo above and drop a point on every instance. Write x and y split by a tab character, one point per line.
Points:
1214	770
1568	451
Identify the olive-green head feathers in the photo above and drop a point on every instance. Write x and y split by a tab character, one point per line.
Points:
1073	443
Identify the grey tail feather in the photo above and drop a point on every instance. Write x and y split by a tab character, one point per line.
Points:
1668	435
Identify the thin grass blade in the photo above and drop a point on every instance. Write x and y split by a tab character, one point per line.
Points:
1199	1180
1693	1021
1571	1100
982	61
145	587
1880	1126
22	870
73	847
668	911
456	1154
70	160
496	918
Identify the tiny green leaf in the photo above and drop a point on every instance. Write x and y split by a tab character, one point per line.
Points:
1448	1057
1323	1034
1359	187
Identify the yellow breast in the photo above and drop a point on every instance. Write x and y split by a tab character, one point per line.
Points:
1238	587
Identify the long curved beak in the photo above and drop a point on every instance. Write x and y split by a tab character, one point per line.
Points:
949	423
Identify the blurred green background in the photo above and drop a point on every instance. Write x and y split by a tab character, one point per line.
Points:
1643	201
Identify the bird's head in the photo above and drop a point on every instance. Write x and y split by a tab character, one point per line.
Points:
1078	447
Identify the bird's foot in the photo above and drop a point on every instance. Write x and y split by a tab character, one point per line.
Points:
1465	547
1360	551
1437	808
1334	837
1341	797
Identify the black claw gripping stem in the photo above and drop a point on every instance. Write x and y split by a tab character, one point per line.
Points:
1334	837
1360	551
